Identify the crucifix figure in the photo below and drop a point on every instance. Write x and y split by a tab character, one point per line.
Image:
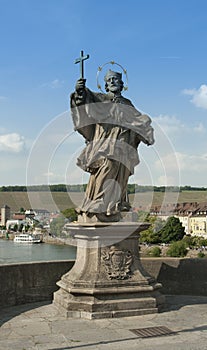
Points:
113	128
81	60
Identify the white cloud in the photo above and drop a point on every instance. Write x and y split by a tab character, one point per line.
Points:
12	142
54	84
3	97
169	124
164	180
199	128
183	161
169	161
180	150
192	163
178	132
49	173
199	96
191	169
52	177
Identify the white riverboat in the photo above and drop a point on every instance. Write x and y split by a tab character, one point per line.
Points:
27	238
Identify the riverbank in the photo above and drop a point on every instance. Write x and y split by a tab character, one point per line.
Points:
45	238
143	248
13	252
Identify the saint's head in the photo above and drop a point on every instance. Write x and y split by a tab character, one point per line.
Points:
113	82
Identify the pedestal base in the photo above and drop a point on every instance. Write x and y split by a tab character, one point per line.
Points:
107	280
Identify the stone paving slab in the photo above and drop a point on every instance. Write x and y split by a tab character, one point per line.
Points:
39	326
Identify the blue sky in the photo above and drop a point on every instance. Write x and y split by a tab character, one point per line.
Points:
162	44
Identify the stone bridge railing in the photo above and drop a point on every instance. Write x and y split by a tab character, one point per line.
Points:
32	282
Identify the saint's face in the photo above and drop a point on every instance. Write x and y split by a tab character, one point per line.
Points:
113	84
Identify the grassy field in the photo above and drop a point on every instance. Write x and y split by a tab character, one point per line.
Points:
159	198
61	200
52	201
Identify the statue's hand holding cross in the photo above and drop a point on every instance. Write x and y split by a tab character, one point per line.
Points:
81	60
80	84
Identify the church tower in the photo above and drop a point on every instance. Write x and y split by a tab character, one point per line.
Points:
5	214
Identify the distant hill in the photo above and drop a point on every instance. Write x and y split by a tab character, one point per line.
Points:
54	201
40	200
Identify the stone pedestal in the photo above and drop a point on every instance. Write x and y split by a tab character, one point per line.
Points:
107	279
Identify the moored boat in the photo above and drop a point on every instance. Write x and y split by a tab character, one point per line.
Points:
27	238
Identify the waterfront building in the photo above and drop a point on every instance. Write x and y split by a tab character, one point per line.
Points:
198	221
192	215
10	224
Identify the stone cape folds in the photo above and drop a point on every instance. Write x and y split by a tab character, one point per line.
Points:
113	129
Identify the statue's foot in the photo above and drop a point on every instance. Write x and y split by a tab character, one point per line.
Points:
103	217
98	217
124	206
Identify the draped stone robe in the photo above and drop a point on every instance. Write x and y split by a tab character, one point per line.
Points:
113	129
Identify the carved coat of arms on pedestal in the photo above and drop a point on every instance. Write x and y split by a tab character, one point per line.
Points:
117	262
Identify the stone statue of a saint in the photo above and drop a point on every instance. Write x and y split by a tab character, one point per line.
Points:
112	128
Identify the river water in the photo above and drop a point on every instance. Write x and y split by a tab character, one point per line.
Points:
11	252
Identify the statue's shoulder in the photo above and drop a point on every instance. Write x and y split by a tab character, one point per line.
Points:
127	101
100	96
95	96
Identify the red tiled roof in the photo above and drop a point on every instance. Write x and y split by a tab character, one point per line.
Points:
18	216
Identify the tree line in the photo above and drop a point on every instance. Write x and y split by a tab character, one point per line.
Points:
44	188
132	188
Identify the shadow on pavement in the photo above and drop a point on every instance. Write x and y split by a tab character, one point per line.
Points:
176	302
8	313
196	329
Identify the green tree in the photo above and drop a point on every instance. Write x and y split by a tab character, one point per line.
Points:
27	228
189	240
201	255
56	225
177	249
21	227
15	228
143	216
202	242
194	241
130	188
154	251
70	214
172	231
152	235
